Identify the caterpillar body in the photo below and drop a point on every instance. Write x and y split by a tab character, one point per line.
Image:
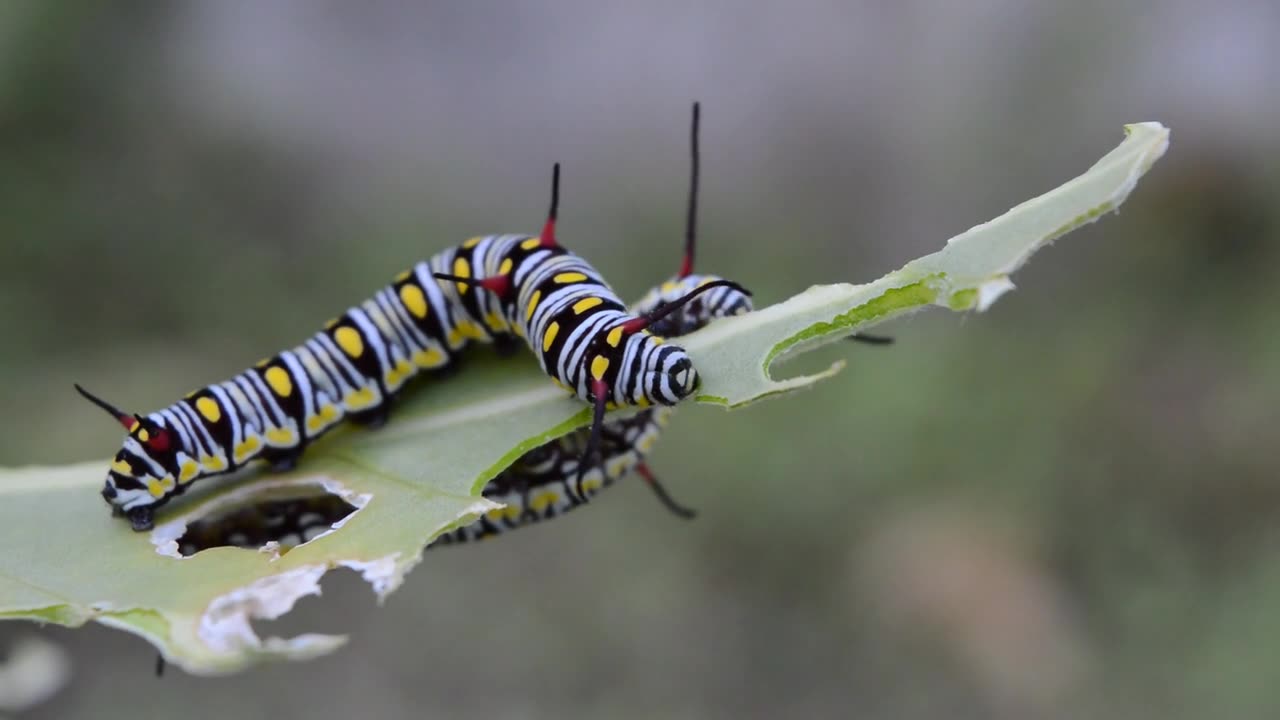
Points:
490	288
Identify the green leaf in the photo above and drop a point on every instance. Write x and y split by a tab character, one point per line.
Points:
67	561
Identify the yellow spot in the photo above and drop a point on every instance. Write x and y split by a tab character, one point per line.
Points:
134	426
590	484
428	358
348	338
190	469
598	367
533	305
360	399
543	501
247	448
642	401
495	321
550	337
403	276
328	324
471	242
143	436
398	374
505	267
214	464
414	300
284	437
658	341
668	286
208	407
569	277
123	467
279	381
615	336
471	330
645	443
510	512
586	304
531	243
165	484
191	394
324	417
462	268
619	465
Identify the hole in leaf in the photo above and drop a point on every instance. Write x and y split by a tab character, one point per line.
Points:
287	516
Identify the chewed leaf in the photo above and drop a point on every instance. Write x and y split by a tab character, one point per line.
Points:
249	547
971	272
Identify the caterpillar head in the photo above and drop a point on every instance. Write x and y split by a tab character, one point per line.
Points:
141	475
680	375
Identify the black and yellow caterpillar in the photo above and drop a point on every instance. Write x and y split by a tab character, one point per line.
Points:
488	289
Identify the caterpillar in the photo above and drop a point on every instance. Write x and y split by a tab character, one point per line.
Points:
489	289
538	486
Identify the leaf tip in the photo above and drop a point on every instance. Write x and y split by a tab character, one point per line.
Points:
991	290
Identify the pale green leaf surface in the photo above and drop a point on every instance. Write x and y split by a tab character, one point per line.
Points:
66	561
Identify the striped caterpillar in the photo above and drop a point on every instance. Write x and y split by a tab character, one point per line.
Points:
491	288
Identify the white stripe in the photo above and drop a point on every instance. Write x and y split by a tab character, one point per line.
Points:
374	339
195	421
233	417
302	379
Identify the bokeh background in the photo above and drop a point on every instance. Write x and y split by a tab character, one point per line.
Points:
1066	507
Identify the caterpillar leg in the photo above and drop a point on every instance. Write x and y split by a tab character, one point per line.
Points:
142	518
600	391
669	502
506	345
372	419
282	460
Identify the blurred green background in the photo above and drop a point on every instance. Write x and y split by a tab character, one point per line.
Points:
1065	507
